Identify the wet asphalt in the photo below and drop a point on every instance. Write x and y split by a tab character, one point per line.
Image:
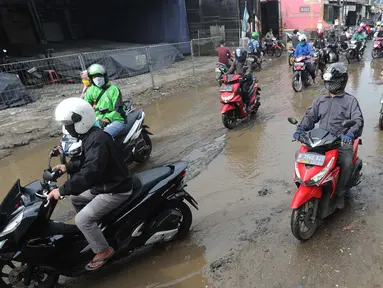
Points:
242	180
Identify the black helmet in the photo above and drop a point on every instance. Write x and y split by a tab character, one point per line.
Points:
335	78
240	54
295	31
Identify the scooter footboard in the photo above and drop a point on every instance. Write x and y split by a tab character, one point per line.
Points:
304	194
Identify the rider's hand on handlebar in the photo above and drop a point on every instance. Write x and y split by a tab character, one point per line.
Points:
54	194
60	167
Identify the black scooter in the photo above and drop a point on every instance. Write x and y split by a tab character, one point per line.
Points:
44	249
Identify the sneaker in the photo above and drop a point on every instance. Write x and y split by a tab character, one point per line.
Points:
339	202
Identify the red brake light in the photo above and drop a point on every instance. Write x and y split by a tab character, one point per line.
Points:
183	174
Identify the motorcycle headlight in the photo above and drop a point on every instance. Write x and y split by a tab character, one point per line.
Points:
297	173
317	178
12	225
381	100
227	98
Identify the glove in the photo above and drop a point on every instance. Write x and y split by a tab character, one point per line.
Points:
298	134
348	138
102	123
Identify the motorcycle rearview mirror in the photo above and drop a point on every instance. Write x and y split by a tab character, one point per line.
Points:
292	120
348	123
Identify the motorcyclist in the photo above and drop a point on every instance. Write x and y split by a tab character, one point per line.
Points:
105	95
343	38
240	66
333	41
379	33
253	46
269	35
304	49
224	53
319	42
294	39
99	182
359	37
330	110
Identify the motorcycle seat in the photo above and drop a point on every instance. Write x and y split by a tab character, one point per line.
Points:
130	120
142	183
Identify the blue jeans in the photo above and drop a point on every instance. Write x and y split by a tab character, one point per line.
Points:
114	128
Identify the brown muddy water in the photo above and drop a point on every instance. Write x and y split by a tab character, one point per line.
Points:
241	235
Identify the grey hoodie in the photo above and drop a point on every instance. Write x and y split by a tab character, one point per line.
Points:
330	112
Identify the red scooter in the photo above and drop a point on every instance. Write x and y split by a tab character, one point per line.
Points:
233	108
316	176
377	50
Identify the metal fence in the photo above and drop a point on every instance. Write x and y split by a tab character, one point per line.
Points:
146	67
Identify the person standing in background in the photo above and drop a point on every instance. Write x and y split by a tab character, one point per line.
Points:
86	81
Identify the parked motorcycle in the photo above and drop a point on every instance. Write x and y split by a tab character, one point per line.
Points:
133	142
300	76
377	50
35	250
290	58
220	70
233	108
274	48
316	176
352	51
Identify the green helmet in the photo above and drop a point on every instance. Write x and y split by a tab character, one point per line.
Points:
97	69
254	35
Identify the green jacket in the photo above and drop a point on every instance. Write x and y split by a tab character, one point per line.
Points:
111	99
358	36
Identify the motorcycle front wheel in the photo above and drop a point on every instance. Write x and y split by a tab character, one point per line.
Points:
291	61
375	53
297	84
381	122
12	275
278	52
229	119
303	226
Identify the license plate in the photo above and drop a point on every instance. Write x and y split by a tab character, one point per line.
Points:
311	159
217	70
226	88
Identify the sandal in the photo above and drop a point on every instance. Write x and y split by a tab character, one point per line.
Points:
101	260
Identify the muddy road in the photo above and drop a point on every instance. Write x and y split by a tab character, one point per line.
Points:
242	180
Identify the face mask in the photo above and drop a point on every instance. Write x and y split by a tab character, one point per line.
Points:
86	82
99	81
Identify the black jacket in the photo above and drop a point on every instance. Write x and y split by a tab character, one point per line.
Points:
100	167
319	43
330	112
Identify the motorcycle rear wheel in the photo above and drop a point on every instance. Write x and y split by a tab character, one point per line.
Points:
146	155
278	52
303	215
381	122
9	272
291	61
229	119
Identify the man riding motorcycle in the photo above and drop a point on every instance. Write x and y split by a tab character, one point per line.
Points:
99	182
224	53
359	37
253	47
319	42
344	39
240	66
333	40
330	110
379	33
304	49
103	95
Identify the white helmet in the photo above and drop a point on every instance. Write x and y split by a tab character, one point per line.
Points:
76	115
302	37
